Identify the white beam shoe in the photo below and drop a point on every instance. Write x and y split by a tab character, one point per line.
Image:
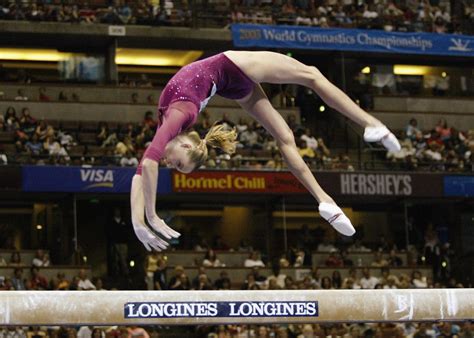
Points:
335	216
383	135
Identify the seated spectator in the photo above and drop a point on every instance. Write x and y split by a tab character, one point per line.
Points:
42	95
7	285
412	128
378	261
135	331
326	283
325	246
27	122
367	281
37	281
336	279
125	144
180	283
393	260
41	259
306	152
3	262
62	96
250	283
84	283
159	275
65	139
310	140
60	283
203	283
443	130
277	279
223	282
250	138
3	157
254	260
21	96
334	260
358	247
18	281
10	118
15	259
134	98
211	260
53	148
417	281
149	120
129	160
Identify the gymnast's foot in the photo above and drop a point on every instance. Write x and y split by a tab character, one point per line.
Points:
381	134
335	216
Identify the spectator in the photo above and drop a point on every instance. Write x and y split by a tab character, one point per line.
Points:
223	282
41	259
84	283
42	95
417	281
18	281
3	157
326	283
378	261
334	259
3	262
180	283
250	138
211	260
310	140
10	119
159	276
118	234
62	96
412	129
254	260
336	279
37	281
277	277
15	260
61	283
394	260
129	160
368	281
134	98
137	332
306	152
21	96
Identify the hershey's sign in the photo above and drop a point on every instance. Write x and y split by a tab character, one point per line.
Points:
376	184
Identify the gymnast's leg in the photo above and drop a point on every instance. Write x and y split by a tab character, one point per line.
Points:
277	68
258	105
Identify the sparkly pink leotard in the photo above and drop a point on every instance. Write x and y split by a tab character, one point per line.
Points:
189	91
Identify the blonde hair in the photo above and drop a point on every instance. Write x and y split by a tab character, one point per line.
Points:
216	137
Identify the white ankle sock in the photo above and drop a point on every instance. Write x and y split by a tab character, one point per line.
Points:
383	135
336	217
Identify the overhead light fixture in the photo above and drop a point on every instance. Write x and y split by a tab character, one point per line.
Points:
410	70
365	70
32	54
156	57
39	227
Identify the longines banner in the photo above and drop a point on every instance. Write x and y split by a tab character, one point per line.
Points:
335	183
358	40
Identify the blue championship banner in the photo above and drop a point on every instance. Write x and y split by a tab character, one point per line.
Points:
358	40
221	309
85	179
459	185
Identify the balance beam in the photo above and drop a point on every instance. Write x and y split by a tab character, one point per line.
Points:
243	307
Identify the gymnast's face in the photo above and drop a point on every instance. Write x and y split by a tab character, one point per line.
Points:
177	155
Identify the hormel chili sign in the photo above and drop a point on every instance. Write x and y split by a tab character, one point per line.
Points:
376	184
236	181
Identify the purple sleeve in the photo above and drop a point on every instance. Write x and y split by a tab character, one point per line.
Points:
173	123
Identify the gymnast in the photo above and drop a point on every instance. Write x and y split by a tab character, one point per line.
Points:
236	75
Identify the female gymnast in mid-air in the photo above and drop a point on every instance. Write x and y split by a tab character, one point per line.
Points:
236	75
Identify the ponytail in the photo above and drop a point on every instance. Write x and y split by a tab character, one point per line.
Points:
216	137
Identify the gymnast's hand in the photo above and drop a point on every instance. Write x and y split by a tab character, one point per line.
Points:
144	234
161	227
